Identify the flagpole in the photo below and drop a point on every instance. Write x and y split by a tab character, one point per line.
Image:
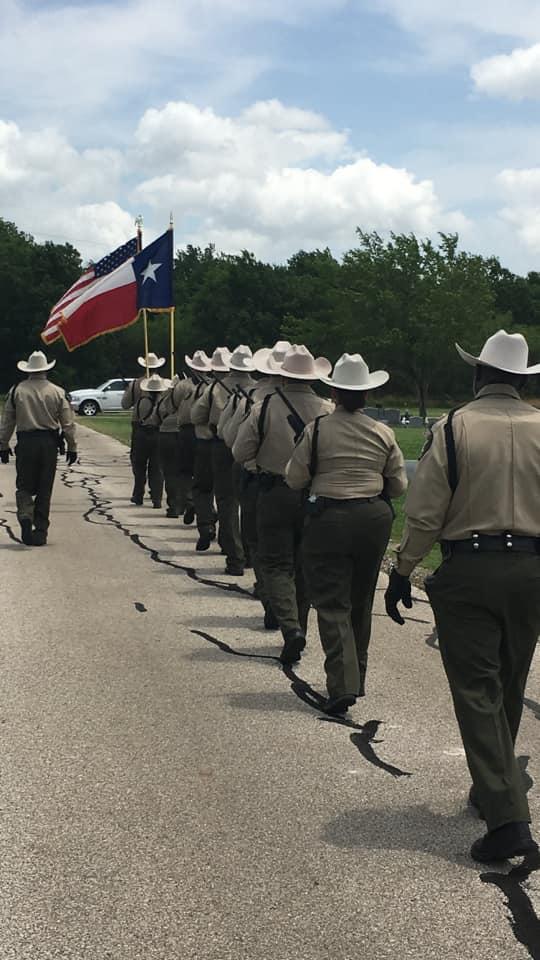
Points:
171	315
145	324
172	340
139	225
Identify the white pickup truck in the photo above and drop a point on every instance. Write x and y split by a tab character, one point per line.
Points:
102	399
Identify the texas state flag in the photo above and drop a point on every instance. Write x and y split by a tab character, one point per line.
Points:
142	281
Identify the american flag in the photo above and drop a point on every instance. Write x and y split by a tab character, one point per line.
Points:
52	329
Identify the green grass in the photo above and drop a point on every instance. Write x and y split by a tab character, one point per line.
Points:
117	425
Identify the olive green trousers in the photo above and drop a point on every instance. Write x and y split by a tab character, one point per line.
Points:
228	508
280	524
203	485
35	457
342	551
487	611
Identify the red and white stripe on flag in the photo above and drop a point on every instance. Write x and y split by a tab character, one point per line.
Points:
51	332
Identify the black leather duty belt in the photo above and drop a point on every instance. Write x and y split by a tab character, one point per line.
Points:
486	543
344	502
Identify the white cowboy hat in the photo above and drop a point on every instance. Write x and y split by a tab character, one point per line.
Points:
300	364
241	359
504	351
220	360
155	384
277	352
153	361
351	372
36	363
199	361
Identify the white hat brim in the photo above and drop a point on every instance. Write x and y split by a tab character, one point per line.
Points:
219	368
477	362
200	368
24	366
260	362
148	386
375	379
321	368
245	369
151	366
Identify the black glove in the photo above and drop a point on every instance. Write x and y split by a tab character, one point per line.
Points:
5	455
71	457
399	588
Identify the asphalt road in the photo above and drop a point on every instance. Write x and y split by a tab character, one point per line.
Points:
167	791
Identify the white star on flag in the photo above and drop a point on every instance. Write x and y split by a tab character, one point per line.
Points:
149	272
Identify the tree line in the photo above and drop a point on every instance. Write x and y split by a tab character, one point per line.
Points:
401	301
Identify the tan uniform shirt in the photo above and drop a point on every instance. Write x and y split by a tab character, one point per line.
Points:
356	457
211	404
273	454
38	405
497	439
232	419
164	415
132	394
183	394
199	417
146	408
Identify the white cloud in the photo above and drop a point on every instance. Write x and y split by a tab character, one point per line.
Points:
521	191
520	18
449	33
277	177
514	76
195	142
75	61
273	178
49	188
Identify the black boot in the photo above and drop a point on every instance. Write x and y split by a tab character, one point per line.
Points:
26	532
510	840
39	538
189	516
204	541
337	706
295	642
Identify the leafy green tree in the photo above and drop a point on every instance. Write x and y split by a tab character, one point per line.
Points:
413	300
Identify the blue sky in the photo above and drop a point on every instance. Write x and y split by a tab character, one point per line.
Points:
272	124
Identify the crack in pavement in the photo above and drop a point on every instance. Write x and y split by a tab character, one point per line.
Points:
362	740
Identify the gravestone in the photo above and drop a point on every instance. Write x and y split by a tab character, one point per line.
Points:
416	422
391	416
372	412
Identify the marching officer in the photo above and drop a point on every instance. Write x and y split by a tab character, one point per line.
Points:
231	371
132	395
268	437
476	492
349	462
182	399
146	462
203	483
40	413
236	411
165	418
